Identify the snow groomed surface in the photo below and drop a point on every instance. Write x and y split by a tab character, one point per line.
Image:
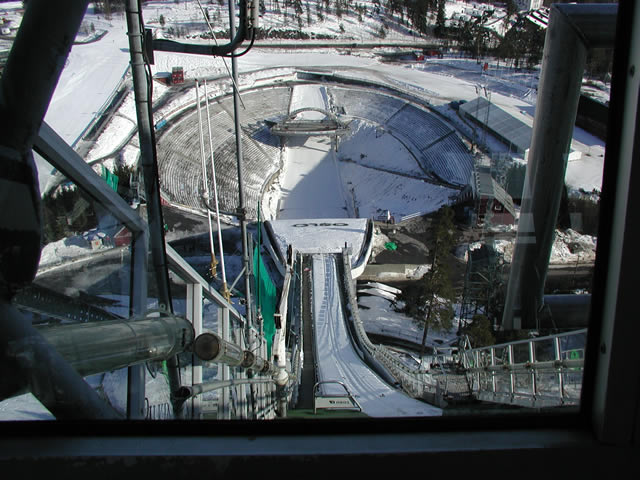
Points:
337	359
311	185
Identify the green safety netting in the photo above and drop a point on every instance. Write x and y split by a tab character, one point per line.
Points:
267	299
110	178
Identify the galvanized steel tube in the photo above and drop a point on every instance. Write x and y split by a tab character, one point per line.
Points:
104	346
571	31
30	363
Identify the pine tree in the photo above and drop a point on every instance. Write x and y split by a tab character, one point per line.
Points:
440	19
480	331
430	302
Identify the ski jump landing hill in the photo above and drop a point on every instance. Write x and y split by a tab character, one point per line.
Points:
339	350
438	150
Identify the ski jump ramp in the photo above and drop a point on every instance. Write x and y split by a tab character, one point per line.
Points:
337	355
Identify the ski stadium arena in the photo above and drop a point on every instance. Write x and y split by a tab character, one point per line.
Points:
442	159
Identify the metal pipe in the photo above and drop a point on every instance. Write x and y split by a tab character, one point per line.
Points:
187	392
228	48
242	211
29	363
104	346
28	81
205	183
141	85
225	290
573	30
210	347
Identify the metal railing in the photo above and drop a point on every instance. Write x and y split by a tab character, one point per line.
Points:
539	372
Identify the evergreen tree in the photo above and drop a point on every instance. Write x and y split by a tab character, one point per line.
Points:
440	19
480	331
430	302
524	42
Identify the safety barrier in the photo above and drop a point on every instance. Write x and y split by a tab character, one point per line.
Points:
539	372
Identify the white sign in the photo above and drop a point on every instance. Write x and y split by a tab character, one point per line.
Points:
336	402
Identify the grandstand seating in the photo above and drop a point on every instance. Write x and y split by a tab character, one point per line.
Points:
449	160
419	127
180	162
441	152
434	143
365	104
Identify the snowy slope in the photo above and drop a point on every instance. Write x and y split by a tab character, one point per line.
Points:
311	186
338	360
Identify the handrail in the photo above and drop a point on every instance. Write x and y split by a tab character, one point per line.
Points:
532	382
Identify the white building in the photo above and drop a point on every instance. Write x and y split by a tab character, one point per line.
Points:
527	5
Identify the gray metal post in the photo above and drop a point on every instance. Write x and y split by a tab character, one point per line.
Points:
194	315
512	379
141	85
102	346
558	358
138	306
572	28
242	209
532	360
493	373
224	411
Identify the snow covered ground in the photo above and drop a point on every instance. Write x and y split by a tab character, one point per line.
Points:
311	186
380	316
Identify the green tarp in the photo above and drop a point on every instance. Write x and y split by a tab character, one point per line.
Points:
267	299
390	246
110	178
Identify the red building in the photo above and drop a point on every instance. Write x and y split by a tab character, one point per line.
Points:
177	75
122	238
492	203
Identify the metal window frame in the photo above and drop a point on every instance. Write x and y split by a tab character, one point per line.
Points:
501	446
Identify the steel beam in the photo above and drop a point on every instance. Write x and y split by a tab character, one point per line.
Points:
64	158
572	28
28	81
